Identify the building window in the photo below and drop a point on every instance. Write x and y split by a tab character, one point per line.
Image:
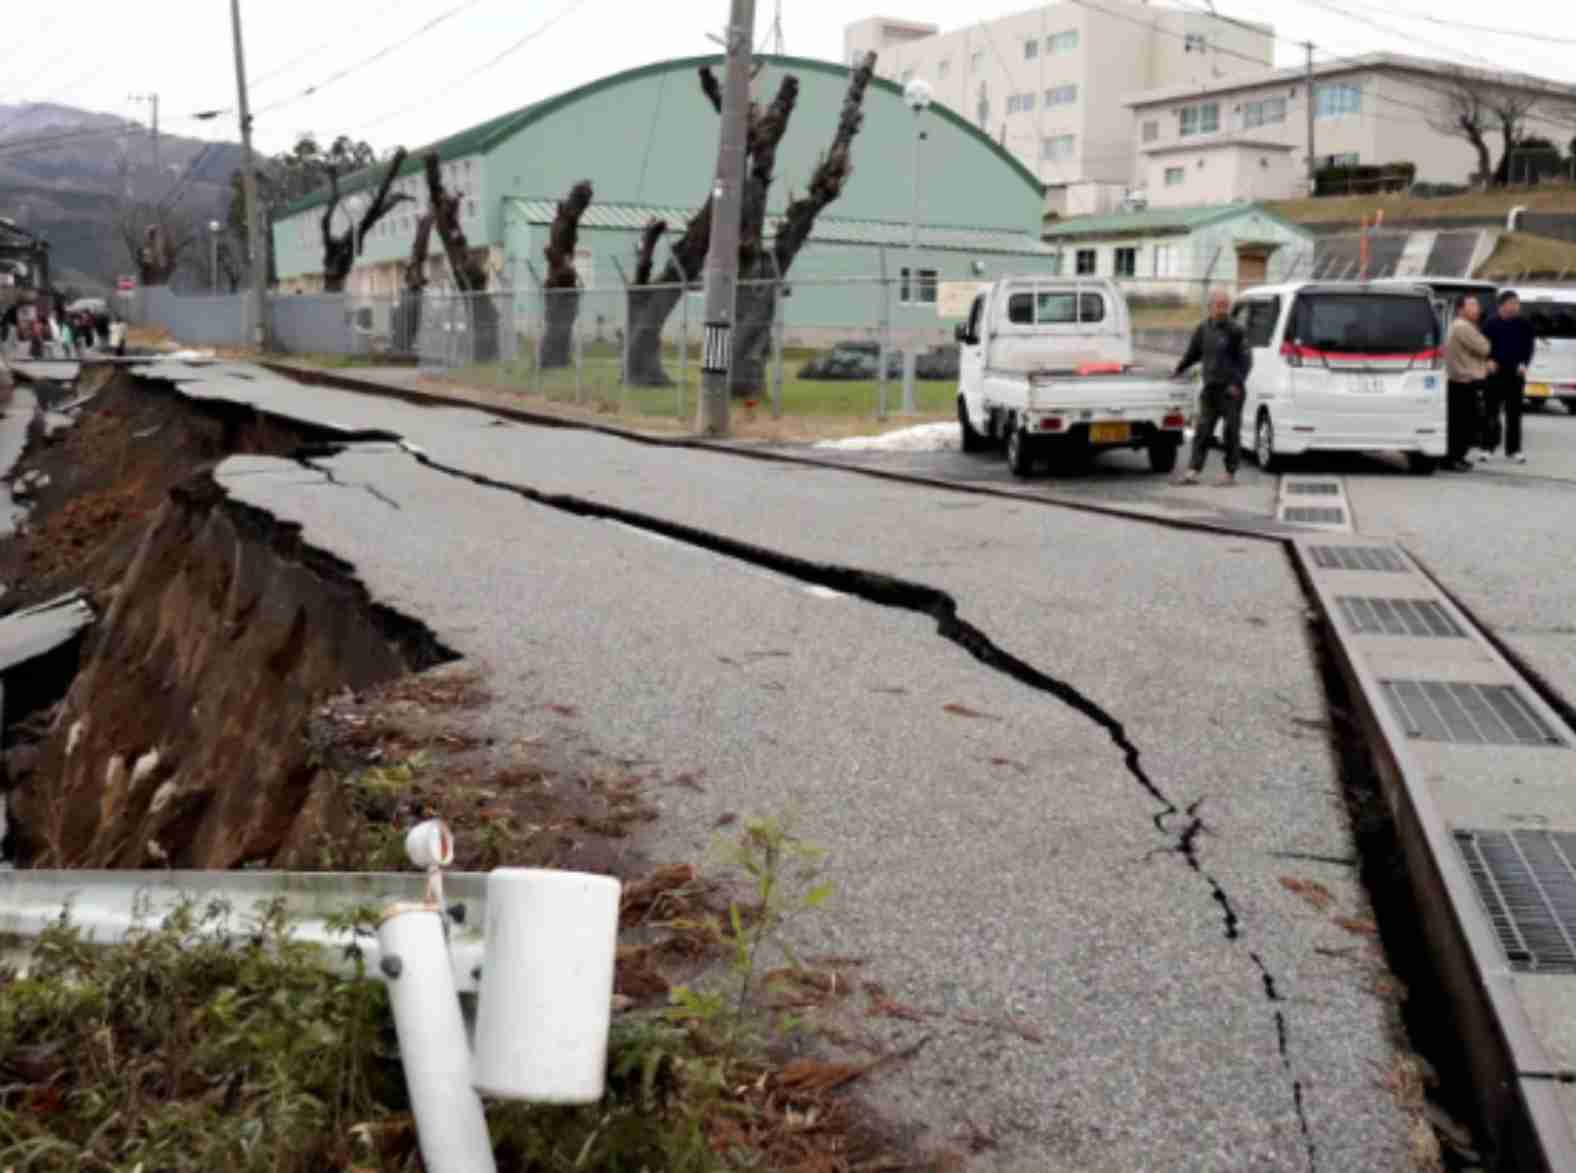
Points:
1031	49
1062	42
1150	131
1349	159
1268	112
1336	99
1020	103
1126	262
1194	43
1165	260
1057	148
1055	265
1201	119
1086	262
943	67
982	109
926	290
1176	176
1061	95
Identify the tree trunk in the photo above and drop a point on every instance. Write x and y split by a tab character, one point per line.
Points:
339	251
561	290
650	305
470	274
755	314
407	339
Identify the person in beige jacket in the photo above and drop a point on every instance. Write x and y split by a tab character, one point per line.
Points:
1467	366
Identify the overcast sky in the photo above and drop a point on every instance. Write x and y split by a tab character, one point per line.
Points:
491	56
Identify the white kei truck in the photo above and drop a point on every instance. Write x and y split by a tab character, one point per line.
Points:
1046	369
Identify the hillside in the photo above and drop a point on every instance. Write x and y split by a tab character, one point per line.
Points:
1489	205
64	171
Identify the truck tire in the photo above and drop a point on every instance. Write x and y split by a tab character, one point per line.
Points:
1264	444
1534	404
1020	451
1570	403
1420	464
1163	454
972	441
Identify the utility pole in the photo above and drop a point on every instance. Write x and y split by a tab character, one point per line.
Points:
153	101
254	230
727	206
1313	166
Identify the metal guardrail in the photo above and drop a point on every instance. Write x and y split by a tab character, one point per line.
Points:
106	905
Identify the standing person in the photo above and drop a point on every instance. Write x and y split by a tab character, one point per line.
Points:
1511	339
1467	365
1222	347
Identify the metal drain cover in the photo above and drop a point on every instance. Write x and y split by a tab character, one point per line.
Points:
1314	515
1313	488
1378	558
1528	887
1467	714
1381	616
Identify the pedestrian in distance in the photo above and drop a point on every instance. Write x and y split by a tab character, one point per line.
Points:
1511	339
1220	347
1467	365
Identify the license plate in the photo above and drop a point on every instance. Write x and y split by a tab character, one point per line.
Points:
1110	433
1367	384
1538	390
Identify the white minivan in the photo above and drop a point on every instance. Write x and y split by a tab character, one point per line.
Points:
1552	372
1343	367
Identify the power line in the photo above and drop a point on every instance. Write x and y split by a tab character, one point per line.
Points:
1465	26
313	90
332	42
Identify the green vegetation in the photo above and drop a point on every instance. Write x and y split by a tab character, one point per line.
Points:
205	1043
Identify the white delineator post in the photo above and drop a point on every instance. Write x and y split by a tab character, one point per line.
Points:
546	996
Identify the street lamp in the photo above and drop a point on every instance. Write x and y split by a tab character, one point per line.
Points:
213	250
917	95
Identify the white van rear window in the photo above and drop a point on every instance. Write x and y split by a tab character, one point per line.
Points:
1555	320
1048	308
1356	323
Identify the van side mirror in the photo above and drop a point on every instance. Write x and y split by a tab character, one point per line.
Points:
961	333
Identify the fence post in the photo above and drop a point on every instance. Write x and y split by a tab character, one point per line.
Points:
777	337
579	338
683	340
623	349
886	332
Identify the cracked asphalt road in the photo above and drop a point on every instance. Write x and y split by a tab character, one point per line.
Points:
996	851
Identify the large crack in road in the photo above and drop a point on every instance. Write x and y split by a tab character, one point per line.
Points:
903	594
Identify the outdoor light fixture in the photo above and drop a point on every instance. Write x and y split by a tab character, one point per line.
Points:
544	1001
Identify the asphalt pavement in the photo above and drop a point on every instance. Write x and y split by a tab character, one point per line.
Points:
1064	764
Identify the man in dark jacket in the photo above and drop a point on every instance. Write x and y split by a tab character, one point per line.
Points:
1512	338
1221	347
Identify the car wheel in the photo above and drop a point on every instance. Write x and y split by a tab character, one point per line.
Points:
1420	464
1535	405
1570	403
1264	444
1020	450
972	441
1163	454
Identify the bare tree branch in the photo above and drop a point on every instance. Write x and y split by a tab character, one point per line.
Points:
711	88
563	235
646	249
831	173
339	250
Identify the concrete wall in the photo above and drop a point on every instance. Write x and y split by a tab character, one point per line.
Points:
1127	48
1222	173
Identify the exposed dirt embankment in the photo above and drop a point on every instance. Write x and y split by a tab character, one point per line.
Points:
180	741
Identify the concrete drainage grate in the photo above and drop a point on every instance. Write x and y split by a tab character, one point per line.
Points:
1314	515
1414	617
1467	714
1376	558
1527	882
1313	489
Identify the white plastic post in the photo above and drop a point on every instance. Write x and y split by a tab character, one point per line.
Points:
450	1124
546	994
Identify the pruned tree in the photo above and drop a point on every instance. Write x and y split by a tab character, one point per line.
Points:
561	288
1462	111
156	239
1512	108
413	286
340	249
763	262
467	268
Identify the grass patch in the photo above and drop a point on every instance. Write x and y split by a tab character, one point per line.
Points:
1323	210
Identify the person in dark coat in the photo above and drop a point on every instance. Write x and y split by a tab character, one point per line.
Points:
1220	345
1512	339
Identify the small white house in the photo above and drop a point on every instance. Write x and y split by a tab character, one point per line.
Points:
1170	252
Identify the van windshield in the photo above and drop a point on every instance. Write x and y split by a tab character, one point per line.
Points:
1356	323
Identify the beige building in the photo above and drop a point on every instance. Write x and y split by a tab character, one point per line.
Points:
1050	83
1246	137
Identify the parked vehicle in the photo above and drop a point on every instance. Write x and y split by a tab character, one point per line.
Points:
1447	293
1343	367
1552	372
1046	369
853	360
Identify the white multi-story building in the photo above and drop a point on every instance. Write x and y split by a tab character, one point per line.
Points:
1050	84
1246	137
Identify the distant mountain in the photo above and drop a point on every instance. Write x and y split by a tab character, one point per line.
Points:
64	172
